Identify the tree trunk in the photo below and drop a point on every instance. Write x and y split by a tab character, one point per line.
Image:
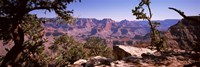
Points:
13	56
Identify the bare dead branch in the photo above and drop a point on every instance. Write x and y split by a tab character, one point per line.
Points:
178	11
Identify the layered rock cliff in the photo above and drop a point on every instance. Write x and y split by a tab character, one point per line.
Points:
185	34
85	27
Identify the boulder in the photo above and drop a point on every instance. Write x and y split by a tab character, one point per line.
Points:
93	61
99	60
80	62
122	51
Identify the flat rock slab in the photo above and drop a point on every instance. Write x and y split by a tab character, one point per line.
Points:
122	51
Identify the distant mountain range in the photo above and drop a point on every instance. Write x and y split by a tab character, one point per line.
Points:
105	28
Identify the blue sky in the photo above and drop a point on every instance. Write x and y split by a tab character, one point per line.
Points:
121	9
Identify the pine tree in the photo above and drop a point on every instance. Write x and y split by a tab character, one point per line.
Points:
156	39
12	14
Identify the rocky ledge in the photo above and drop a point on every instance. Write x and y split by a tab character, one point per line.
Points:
185	34
140	58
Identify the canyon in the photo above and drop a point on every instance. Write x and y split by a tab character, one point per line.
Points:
114	32
107	28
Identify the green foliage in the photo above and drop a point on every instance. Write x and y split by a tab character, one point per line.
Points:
54	48
156	39
69	56
97	47
10	12
13	24
65	41
67	50
33	53
75	53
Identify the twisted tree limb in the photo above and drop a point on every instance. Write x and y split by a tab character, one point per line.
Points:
183	15
178	11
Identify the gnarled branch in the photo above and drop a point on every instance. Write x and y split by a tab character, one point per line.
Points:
183	15
178	11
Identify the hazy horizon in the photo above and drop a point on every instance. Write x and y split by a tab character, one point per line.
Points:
120	20
121	9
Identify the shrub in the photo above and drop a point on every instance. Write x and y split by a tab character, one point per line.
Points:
97	47
67	50
75	53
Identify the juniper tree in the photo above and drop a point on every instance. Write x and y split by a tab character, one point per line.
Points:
12	13
67	50
33	54
96	46
156	39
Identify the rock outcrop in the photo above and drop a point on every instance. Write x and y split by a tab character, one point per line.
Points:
93	61
185	34
122	51
171	58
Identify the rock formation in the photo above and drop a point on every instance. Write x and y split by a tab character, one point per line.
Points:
105	28
122	51
185	34
93	61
